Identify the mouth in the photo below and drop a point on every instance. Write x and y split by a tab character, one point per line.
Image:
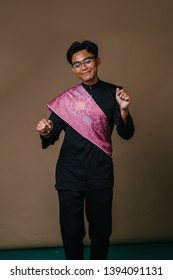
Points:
85	73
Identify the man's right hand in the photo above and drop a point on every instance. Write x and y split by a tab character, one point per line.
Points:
44	127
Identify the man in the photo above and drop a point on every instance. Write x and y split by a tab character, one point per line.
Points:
84	172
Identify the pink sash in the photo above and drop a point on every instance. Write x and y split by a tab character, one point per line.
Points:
77	108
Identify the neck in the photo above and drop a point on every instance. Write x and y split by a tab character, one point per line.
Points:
90	83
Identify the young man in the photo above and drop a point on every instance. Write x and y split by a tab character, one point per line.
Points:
84	172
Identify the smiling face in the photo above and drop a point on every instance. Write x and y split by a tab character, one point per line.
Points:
86	70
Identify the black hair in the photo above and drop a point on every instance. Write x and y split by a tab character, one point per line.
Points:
79	46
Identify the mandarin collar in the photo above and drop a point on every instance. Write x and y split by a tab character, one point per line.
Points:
89	87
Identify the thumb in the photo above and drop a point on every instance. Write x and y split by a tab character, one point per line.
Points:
50	123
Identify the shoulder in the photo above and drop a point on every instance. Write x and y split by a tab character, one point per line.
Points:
110	86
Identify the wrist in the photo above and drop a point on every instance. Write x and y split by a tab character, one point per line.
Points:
124	112
45	135
124	115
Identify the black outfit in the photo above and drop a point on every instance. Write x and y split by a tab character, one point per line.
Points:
84	171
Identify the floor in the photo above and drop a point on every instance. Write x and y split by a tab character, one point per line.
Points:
148	251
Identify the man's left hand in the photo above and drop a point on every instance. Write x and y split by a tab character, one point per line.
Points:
123	98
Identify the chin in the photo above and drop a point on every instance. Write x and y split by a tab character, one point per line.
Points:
87	79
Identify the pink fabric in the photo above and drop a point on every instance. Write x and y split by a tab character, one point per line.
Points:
76	107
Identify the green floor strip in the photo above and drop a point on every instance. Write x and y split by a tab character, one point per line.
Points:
158	251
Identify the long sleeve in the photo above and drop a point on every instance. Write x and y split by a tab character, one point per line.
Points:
58	126
125	131
81	165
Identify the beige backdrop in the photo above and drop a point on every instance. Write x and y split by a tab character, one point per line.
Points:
136	48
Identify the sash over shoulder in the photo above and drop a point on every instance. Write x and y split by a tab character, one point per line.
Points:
77	108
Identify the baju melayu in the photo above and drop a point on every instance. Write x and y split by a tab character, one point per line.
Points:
84	171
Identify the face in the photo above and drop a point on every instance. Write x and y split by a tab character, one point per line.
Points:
87	69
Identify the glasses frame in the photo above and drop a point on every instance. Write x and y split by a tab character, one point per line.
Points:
79	63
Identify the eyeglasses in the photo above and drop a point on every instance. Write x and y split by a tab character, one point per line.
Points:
86	61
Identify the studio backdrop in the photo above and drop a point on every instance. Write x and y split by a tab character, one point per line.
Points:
136	49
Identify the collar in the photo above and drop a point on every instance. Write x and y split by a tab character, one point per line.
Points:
90	87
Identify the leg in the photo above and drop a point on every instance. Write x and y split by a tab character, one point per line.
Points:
72	223
99	215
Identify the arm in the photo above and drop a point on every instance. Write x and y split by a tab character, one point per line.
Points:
123	120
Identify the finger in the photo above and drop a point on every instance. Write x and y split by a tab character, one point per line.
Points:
44	126
119	91
43	123
127	98
121	95
41	126
49	123
40	129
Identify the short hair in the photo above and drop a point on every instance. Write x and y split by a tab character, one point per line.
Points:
79	46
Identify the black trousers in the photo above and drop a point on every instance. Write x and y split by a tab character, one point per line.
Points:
98	207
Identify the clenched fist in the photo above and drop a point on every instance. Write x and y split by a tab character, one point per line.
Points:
44	127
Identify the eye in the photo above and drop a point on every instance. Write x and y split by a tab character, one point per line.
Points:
87	60
76	64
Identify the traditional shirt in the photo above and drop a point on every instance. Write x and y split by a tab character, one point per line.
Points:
81	164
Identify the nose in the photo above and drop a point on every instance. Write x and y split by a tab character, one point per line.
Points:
83	66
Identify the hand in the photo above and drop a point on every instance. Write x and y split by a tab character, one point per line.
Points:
123	98
44	127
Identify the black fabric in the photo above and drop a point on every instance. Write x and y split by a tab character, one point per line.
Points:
81	164
98	204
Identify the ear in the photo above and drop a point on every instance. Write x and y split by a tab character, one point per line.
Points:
98	61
